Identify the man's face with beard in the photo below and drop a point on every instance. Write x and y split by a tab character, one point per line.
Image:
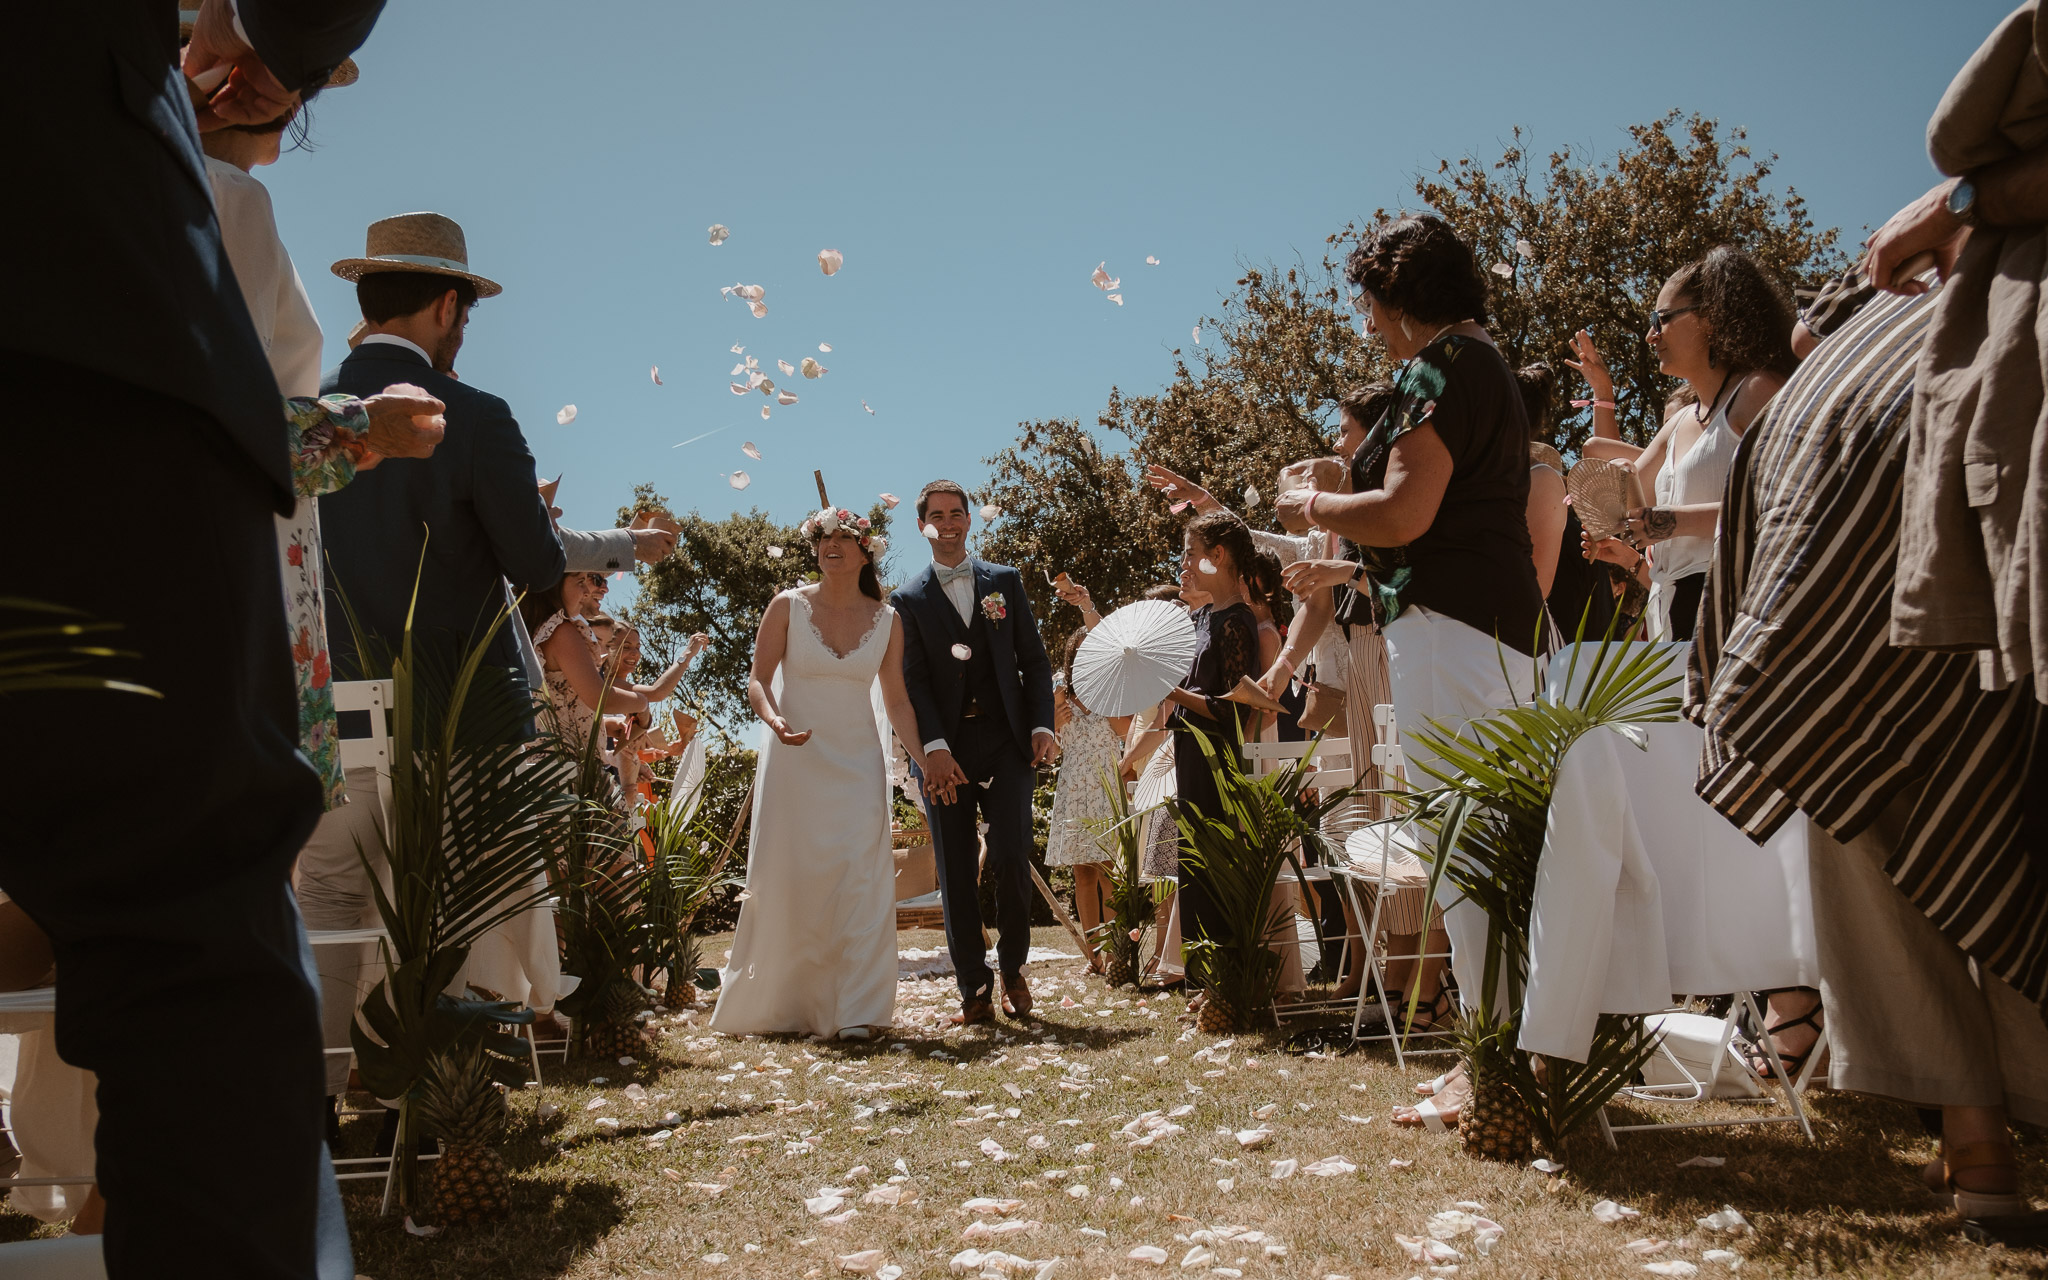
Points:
446	348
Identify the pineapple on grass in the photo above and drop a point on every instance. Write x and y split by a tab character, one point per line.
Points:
1494	1122
607	1025
462	1106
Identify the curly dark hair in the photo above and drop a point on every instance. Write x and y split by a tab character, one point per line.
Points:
1367	402
1538	384
1222	529
1748	314
1420	266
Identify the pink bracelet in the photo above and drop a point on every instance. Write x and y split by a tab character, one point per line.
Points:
1308	509
1592	404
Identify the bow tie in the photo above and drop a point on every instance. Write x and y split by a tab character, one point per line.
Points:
962	572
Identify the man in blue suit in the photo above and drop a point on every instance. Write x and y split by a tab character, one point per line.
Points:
981	684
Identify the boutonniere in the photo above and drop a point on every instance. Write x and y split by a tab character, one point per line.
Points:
992	607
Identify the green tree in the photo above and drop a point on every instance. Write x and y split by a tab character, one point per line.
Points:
1575	243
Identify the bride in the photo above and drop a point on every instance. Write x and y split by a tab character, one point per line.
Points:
815	952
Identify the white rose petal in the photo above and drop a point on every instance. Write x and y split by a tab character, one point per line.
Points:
740	480
991	511
1117	298
1196	333
1080	1192
775	553
864	405
1726	1257
1397	1164
1728	1220
1102	280
751	450
760	310
1524	249
1285	1169
1609	1212
719	231
863	1263
841	1218
786	367
565	415
654	372
1647	1245
811	368
1206	565
1703	1162
889	500
1546	1166
930	531
1151	261
1675	1267
785	397
750	292
1151	1253
962	652
738	349
1250	1138
764	412
825	346
739	388
1504	270
1330	1167
830	260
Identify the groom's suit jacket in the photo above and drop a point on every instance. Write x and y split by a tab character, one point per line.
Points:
937	680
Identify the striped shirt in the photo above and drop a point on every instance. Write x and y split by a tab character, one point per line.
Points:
1805	704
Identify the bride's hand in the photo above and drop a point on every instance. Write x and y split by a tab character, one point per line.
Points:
789	736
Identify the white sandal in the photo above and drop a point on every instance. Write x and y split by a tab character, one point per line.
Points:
1429	1088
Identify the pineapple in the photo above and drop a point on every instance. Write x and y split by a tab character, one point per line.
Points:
606	1027
679	995
463	1107
1218	1016
1119	965
1494	1123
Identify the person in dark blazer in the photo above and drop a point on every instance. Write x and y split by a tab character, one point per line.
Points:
474	508
145	432
981	684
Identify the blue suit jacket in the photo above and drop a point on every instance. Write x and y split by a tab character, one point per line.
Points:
478	498
936	680
117	264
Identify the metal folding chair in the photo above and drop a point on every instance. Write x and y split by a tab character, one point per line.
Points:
35	1000
1334	767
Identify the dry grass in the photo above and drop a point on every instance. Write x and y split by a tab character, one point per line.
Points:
591	1203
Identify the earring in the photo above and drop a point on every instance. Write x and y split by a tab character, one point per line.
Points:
1407	330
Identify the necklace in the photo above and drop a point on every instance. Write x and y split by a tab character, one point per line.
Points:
1703	417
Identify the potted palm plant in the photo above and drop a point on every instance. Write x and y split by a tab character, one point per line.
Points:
687	872
1487	821
1131	900
1265	821
472	815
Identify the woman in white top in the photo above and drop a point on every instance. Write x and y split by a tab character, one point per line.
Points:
1724	326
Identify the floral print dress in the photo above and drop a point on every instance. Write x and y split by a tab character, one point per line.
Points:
326	438
1081	810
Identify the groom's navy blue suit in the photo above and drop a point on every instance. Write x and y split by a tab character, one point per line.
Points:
985	709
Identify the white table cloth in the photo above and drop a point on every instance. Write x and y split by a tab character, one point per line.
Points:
1645	892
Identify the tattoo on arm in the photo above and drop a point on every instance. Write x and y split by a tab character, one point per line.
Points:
1659	523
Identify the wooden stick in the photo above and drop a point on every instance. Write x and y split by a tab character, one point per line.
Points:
819	476
1061	913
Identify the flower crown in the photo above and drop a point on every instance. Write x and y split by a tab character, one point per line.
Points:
830	520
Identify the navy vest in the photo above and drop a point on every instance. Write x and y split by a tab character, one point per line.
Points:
982	687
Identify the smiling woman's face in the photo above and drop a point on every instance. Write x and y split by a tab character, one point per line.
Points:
840	550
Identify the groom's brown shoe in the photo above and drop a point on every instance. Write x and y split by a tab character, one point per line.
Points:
1016	995
975	1010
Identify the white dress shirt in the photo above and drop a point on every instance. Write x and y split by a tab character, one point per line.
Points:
397	341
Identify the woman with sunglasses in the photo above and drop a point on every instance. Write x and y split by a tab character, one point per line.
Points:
1725	327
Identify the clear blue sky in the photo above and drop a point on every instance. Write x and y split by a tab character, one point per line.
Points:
974	163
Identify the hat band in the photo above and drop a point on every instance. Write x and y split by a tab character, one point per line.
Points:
422	260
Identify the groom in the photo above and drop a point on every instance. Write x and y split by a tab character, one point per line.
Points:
981	685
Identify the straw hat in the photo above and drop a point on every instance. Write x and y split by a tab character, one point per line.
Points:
422	242
341	77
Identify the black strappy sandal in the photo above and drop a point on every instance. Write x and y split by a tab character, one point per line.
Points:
1432	1016
1767	1059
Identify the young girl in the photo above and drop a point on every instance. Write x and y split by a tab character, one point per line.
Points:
1091	749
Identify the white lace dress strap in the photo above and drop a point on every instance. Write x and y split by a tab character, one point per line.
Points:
554	622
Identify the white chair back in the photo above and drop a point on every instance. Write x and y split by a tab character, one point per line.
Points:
373	751
1332	757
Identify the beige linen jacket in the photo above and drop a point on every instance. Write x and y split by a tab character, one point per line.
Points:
1973	549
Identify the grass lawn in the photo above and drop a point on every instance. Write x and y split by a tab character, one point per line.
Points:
764	1124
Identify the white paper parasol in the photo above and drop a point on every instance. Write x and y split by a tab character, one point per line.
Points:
687	790
1133	657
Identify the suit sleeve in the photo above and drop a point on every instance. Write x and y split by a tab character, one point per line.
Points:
597	550
1034	665
506	496
917	675
303	41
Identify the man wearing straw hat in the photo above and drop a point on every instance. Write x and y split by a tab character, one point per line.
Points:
177	943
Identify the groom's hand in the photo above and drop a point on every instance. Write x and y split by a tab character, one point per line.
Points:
1045	748
943	776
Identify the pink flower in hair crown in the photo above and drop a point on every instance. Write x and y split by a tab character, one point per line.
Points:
830	520
992	607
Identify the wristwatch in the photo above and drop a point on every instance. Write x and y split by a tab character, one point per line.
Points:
1962	201
1357	573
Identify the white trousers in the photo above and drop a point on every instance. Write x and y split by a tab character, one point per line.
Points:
1448	672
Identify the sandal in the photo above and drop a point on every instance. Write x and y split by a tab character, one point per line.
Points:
1767	1061
1429	1088
1426	1115
1430	1015
1978	1205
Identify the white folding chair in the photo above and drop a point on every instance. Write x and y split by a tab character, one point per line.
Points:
371	749
1697	1081
35	1000
1334	767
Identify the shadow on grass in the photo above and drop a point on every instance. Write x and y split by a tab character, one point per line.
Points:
553	1222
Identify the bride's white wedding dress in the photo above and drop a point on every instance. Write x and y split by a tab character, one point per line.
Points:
815	951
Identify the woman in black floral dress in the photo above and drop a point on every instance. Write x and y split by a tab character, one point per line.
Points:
1226	649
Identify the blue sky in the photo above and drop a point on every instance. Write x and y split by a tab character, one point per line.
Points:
973	164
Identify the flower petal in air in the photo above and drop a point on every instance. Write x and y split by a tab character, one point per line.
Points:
1117	298
785	397
719	231
930	531
740	480
1151	261
786	367
811	368
760	310
751	450
739	388
864	405
890	500
825	346
775	553
962	652
566	414
738	349
1206	565
764	411
991	511
1524	249
830	260
654	372
1102	279
1251	496
1198	335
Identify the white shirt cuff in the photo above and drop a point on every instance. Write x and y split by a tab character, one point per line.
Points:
936	744
1047	732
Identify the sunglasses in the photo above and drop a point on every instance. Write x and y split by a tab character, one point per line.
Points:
1660	318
